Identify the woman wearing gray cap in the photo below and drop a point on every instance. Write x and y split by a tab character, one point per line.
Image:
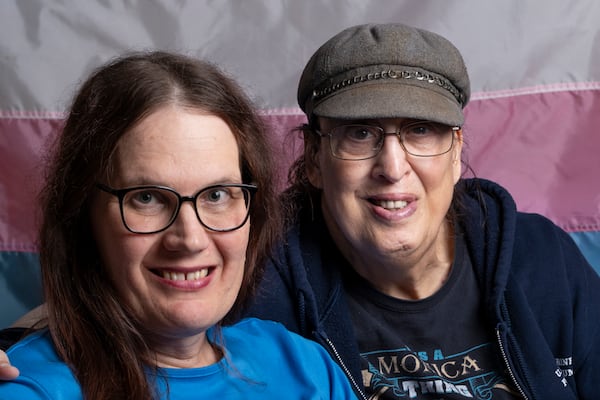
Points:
422	284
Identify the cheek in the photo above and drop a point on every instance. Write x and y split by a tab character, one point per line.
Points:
123	255
232	247
341	176
436	176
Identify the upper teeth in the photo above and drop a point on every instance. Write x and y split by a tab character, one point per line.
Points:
182	276
392	203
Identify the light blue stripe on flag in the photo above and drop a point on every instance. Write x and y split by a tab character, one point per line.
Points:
20	285
21	288
589	243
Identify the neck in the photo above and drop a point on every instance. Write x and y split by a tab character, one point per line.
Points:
192	352
412	283
409	275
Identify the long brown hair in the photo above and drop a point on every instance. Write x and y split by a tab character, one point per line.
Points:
91	329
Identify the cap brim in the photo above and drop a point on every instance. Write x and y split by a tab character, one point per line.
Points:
391	100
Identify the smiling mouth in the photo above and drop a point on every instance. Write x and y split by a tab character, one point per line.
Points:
183	276
390	204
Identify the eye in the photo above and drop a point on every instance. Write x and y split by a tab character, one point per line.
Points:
424	129
148	200
359	132
419	130
217	195
146	197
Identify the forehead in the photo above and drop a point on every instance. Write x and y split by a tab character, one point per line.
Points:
173	144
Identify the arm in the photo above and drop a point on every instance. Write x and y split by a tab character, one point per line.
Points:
565	295
587	324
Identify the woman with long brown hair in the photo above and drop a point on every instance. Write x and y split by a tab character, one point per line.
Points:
158	209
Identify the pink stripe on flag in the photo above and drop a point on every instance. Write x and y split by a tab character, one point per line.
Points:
549	160
22	143
545	149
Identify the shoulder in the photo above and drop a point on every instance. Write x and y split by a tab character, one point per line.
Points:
282	362
538	237
259	331
270	339
33	348
286	362
485	199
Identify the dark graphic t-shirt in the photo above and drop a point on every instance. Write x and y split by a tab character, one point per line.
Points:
437	348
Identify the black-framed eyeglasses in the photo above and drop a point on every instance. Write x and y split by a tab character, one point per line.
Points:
361	142
152	209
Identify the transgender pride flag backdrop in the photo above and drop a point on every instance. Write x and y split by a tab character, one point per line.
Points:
533	123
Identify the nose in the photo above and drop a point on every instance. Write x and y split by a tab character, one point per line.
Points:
391	162
186	234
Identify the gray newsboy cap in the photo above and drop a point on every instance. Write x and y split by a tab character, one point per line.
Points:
386	71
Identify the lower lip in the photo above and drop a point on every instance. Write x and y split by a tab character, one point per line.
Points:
396	214
185	284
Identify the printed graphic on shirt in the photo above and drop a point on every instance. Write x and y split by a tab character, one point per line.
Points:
565	368
405	374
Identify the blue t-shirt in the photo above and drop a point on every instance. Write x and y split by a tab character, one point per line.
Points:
263	361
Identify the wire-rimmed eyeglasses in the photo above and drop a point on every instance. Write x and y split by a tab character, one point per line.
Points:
152	209
361	142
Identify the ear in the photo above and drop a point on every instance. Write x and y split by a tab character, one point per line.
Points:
457	154
311	159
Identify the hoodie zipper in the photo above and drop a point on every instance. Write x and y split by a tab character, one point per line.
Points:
510	371
344	368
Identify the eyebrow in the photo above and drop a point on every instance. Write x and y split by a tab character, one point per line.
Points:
147	181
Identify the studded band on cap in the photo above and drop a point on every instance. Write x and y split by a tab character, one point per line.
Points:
391	74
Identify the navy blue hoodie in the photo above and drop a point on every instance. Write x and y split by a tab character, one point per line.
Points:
542	296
